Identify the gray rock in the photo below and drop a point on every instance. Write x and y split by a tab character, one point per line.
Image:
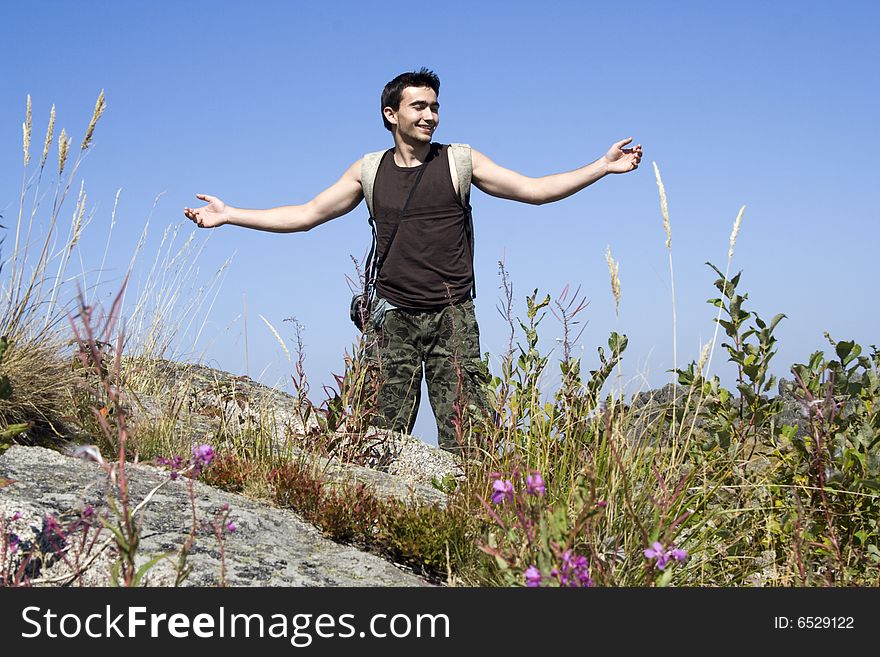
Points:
270	546
203	399
409	487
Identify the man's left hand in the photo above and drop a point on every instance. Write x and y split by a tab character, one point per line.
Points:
622	160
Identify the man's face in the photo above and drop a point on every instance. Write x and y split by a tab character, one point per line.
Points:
418	115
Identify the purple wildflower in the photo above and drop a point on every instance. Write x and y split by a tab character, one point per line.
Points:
175	463
654	551
202	455
50	524
533	577
664	556
601	504
16	516
53	537
84	519
503	491
535	484
657	552
231	527
581	571
574	571
13	543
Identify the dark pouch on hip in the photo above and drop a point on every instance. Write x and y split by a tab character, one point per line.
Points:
359	309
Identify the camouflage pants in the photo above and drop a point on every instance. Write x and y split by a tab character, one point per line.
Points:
446	343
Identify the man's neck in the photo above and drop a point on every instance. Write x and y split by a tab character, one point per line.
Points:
410	155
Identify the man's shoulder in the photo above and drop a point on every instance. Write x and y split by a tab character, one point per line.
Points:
459	146
377	153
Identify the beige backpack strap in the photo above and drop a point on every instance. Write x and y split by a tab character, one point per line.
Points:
369	168
464	167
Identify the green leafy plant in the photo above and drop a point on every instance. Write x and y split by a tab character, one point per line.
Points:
830	473
728	419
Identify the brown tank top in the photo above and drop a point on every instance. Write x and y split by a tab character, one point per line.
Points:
429	262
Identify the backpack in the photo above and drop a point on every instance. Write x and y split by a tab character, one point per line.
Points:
461	154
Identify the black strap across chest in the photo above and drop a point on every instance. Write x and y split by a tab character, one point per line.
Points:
374	272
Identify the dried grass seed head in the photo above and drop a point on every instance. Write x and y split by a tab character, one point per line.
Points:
735	231
26	132
63	150
277	337
50	134
613	270
704	356
664	208
100	106
78	213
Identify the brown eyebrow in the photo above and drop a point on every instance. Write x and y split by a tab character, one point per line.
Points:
422	102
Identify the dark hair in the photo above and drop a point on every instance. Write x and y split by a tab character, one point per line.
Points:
393	91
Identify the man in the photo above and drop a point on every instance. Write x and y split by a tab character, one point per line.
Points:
425	273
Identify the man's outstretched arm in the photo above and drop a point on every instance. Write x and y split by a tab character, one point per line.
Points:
504	183
338	199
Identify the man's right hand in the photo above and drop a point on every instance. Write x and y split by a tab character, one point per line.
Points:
335	201
208	216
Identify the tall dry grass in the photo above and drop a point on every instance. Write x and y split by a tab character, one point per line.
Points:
40	289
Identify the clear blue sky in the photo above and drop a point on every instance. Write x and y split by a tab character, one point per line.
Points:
769	105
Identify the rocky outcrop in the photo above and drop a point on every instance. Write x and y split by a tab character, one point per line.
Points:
268	547
204	400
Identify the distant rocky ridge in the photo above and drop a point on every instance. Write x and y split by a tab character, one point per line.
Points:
647	407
